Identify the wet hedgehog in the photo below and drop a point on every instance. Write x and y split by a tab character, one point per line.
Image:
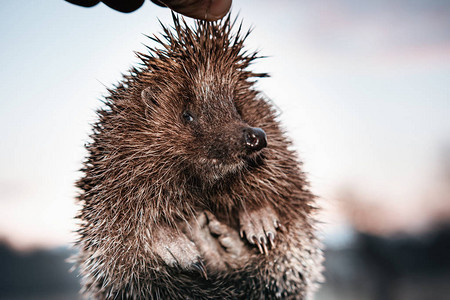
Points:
191	189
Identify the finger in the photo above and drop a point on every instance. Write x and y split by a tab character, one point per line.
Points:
215	227
124	6
226	241
209	10
84	3
209	215
201	220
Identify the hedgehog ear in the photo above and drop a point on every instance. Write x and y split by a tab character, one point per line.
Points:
148	94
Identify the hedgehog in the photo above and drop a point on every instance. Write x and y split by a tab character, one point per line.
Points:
191	188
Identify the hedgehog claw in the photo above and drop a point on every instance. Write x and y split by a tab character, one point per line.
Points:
260	226
200	267
266	251
270	237
259	246
263	240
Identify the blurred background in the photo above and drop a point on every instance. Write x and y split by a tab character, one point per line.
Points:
364	91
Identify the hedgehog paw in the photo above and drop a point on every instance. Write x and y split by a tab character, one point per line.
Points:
228	238
176	250
220	245
260	226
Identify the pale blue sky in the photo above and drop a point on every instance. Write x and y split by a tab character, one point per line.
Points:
364	92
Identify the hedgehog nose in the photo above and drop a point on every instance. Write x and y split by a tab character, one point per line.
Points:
255	138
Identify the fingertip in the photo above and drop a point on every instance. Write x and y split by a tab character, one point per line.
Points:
217	9
209	10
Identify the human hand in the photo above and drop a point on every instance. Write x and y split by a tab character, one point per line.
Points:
209	10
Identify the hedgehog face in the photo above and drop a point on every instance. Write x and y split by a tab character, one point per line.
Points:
204	129
217	136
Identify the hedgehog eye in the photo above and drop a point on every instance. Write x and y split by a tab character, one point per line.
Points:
187	116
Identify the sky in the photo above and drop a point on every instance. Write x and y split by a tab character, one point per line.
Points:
363	88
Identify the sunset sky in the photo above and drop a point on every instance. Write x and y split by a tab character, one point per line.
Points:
363	87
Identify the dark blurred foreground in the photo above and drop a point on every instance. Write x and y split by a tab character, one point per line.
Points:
402	267
41	274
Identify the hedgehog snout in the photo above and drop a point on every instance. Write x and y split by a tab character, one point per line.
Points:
255	138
